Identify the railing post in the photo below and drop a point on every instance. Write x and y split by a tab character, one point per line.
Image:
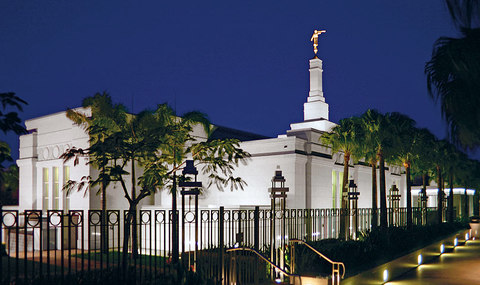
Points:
256	238
221	244
256	228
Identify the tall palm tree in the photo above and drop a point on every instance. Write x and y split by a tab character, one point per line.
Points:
344	138
369	153
377	127
405	140
452	168
440	160
423	166
453	74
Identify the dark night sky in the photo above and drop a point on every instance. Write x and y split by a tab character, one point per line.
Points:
244	63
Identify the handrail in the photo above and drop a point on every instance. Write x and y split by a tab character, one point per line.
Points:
320	254
264	258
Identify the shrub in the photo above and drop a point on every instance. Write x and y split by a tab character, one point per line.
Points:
373	248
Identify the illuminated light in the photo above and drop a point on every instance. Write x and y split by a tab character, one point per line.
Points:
442	248
466	236
419	259
278	280
385	275
455	242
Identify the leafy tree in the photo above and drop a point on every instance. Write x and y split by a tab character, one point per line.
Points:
147	150
9	122
107	119
345	138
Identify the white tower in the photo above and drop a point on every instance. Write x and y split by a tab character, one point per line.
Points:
315	110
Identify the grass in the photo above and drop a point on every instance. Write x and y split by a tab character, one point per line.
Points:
116	257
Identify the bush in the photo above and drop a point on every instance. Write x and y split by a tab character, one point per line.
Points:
372	249
3	251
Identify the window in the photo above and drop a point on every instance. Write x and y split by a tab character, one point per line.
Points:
334	189
337	178
45	185
56	189
66	178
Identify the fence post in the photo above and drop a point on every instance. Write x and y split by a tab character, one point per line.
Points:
256	228
221	243
256	239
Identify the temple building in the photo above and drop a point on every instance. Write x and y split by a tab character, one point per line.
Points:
313	173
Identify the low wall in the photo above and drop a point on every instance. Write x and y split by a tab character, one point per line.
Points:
393	269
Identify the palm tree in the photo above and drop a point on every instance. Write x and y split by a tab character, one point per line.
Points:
453	74
380	138
440	160
452	169
344	138
424	163
405	140
369	153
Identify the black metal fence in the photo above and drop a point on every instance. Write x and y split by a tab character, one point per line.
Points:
56	245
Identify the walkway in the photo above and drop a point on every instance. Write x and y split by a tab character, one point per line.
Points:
462	266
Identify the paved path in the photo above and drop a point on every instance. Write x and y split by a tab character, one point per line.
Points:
462	266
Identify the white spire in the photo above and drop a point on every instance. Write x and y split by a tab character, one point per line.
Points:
315	108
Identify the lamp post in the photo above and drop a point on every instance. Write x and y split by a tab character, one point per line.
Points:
424	200
394	201
353	205
190	188
278	191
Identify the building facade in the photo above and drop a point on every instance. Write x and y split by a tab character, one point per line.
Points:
313	174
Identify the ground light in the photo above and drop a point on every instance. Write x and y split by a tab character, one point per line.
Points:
419	259
385	275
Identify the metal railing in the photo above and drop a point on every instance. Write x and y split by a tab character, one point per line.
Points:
269	262
335	265
57	244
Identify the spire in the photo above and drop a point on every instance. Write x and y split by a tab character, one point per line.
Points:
315	108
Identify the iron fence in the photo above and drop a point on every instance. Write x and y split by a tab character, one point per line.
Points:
56	245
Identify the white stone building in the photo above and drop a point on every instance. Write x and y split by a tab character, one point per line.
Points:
312	173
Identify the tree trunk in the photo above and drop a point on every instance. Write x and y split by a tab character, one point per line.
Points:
344	211
374	196
439	196
450	200
383	193
466	205
476	204
424	198
409	196
133	207
104	219
175	241
130	224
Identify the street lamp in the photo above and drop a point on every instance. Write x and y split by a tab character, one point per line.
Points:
190	188
353	204
424	200
394	201
278	191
